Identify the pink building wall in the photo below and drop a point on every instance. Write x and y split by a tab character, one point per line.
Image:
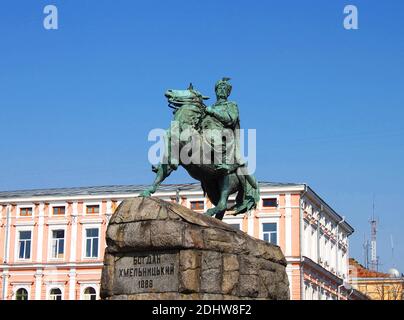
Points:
74	272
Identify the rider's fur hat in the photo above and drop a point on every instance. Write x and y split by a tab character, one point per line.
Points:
224	81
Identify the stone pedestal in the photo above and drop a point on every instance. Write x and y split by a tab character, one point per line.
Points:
162	250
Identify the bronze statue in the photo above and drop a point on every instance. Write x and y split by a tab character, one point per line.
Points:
209	138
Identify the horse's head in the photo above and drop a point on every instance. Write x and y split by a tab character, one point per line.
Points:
188	106
190	96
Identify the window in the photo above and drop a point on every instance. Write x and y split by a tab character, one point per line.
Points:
313	253
59	211
55	294
26	212
197	205
92	243
93	209
322	248
21	294
25	245
306	291
328	224
58	243
322	296
270	202
327	252
314	293
343	263
306	242
90	294
269	232
332	258
235	225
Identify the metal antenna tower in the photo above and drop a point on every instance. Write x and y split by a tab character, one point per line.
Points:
392	250
365	252
374	259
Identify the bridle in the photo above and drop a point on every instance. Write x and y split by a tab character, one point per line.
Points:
195	100
177	104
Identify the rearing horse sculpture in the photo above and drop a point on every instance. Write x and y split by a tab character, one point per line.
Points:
218	183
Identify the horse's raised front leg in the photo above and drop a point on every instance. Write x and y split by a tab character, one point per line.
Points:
162	172
221	206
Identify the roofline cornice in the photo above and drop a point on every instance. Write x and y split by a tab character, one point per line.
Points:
312	194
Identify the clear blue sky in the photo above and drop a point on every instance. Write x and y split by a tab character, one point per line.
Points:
77	103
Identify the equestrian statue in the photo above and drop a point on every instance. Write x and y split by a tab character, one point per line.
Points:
205	141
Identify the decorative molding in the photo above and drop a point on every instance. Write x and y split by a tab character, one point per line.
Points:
275	214
92	282
24	223
57	222
91	221
22	282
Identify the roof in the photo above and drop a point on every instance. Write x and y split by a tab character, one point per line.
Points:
116	189
362	272
137	188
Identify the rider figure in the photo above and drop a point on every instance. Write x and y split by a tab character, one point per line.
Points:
224	115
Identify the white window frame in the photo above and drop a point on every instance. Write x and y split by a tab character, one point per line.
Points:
17	243
315	213
328	224
92	203
269	220
322	294
328	252
55	285
267	196
314	292
322	247
85	284
21	286
189	200
306	290
58	204
306	232
313	243
21	206
84	241
50	242
333	252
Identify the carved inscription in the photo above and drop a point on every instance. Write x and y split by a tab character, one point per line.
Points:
147	272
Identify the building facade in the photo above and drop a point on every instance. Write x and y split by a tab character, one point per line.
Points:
52	241
376	285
